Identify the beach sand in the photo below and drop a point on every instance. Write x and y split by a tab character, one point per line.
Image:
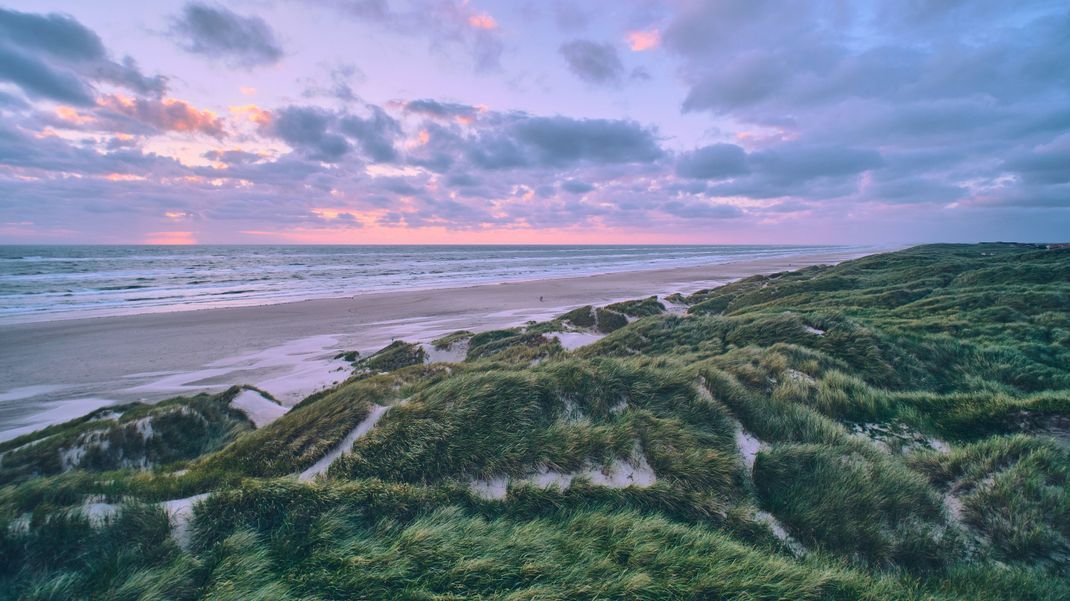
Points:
287	349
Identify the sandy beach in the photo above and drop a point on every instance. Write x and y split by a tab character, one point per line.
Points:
53	371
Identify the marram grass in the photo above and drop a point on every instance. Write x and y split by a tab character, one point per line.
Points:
894	427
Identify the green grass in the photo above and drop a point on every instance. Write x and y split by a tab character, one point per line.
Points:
127	436
859	504
280	540
1014	491
638	308
449	339
581	317
396	355
912	410
559	415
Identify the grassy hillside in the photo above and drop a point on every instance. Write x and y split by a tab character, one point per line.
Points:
895	427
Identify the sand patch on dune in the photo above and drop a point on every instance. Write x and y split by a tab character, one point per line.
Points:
673	308
180	513
490	489
749	446
454	353
798	376
635	471
71	457
896	437
574	340
344	447
21	524
98	512
259	409
780	532
621	473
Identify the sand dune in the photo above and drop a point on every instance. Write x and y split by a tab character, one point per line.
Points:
288	349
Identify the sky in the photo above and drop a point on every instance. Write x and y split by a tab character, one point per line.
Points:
478	121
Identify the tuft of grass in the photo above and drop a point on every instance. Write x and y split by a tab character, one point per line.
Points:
396	355
129	436
581	317
638	308
448	340
856	503
1014	492
607	321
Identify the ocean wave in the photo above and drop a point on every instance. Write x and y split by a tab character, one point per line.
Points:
68	282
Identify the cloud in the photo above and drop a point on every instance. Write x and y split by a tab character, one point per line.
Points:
757	59
524	141
717	161
40	80
487	50
440	110
482	21
306	128
443	147
216	31
497	151
807	118
796	163
571	17
59	36
562	140
939	103
701	210
444	23
510	141
325	135
126	74
42	154
167	114
643	40
11	101
909	190
233	157
791	169
462	180
376	133
57	58
576	186
1047	164
747	80
593	62
341	85
639	74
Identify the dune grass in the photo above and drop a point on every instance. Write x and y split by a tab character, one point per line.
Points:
126	436
908	416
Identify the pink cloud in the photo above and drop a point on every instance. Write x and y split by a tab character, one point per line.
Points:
124	177
640	41
168	114
252	112
482	21
170	238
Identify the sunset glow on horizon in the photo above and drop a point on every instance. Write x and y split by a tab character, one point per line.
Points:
460	121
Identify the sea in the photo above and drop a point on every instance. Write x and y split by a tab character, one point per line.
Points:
39	283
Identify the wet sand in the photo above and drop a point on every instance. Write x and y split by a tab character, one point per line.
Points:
51	371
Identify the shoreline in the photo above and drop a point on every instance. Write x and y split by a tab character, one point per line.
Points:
237	303
287	348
